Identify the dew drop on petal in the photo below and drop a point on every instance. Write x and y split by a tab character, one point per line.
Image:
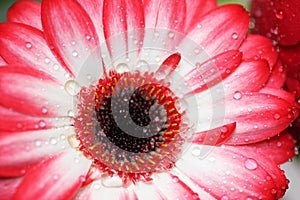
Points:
276	116
53	141
224	198
88	37
42	124
171	35
56	67
74	53
196	151
47	60
237	95
122	67
279	14
72	87
71	113
44	110
212	159
234	36
28	45
273	191
142	66
251	164
38	143
111	182
55	177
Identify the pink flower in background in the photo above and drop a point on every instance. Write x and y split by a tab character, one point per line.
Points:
140	100
280	21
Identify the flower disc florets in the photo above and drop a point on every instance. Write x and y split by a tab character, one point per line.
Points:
129	124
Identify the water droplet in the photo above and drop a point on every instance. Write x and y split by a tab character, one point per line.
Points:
196	151
251	164
112	182
277	116
199	26
73	43
224	198
47	60
53	141
279	14
157	59
122	67
72	87
196	51
88	37
74	53
44	110
273	191
55	177
142	66
175	179
28	45
234	36
42	124
38	143
212	159
237	95
171	35
56	67
71	113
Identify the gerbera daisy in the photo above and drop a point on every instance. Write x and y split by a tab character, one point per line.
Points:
139	100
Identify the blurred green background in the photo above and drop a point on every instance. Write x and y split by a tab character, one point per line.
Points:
5	4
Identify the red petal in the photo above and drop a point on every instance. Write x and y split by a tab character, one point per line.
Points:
290	56
70	31
26	12
31	92
279	149
214	136
278	76
257	46
168	66
262	115
14	121
222	29
29	148
228	174
58	177
8	187
196	10
161	14
250	76
278	19
121	20
213	71
293	85
24	45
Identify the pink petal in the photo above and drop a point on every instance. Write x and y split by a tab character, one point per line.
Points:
226	174
94	9
278	76
279	149
215	136
121	20
25	45
257	46
222	29
213	71
32	92
250	76
71	33
161	14
29	148
26	12
195	11
262	115
13	121
8	187
275	173
58	177
289	97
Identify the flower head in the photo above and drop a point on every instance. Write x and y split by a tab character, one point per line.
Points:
140	99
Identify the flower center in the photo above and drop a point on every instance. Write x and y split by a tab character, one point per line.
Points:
129	124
